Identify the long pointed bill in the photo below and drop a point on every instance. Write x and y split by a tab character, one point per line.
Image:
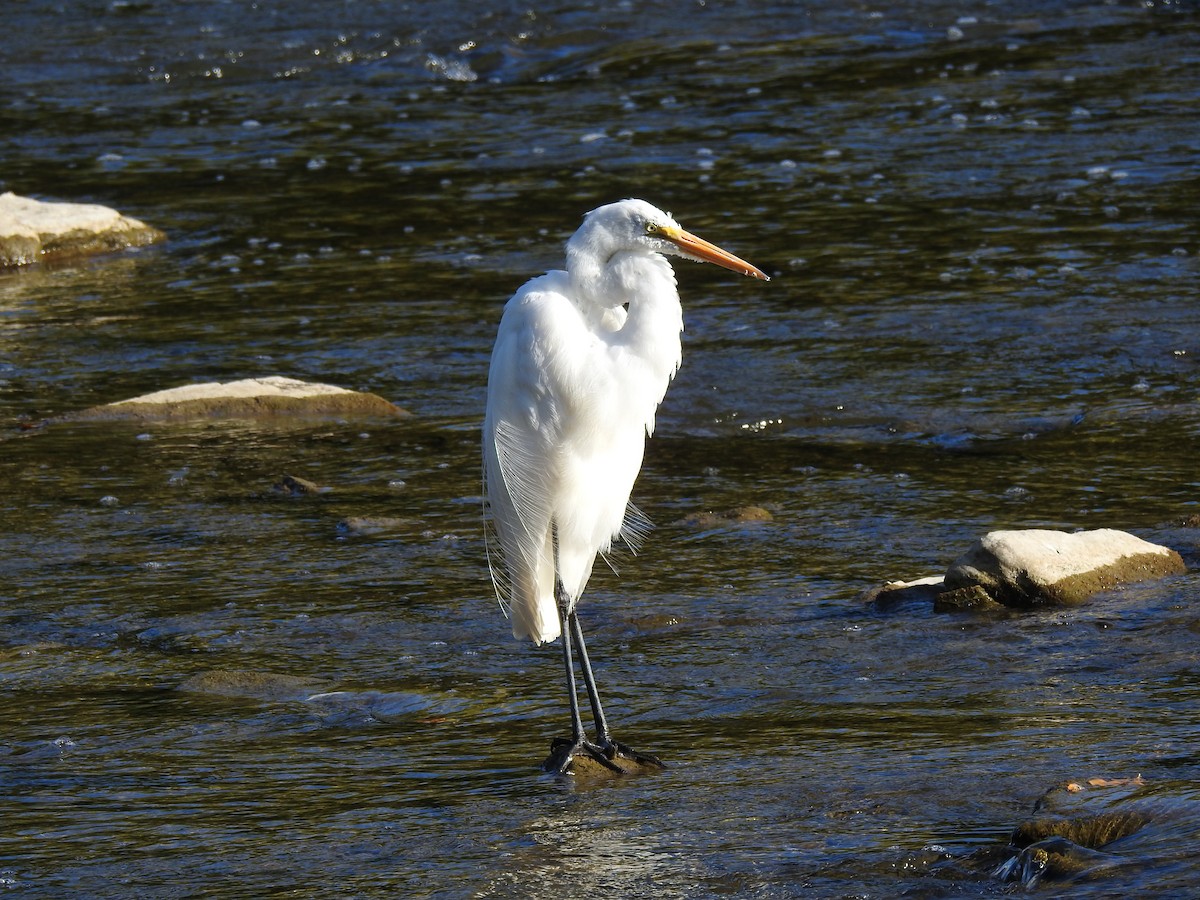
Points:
699	249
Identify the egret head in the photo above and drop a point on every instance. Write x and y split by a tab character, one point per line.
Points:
635	225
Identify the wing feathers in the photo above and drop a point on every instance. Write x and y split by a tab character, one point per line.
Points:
563	439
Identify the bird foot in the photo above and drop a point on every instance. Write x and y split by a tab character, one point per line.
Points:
581	757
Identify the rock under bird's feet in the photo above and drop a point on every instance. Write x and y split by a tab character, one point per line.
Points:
584	757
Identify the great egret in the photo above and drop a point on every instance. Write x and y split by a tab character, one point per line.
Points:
582	359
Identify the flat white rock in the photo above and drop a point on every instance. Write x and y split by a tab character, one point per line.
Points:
33	230
271	397
270	386
1050	556
1035	566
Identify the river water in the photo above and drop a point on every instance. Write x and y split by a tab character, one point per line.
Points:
980	220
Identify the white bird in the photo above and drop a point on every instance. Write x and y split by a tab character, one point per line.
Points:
582	359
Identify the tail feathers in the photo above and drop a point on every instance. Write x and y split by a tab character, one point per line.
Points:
524	589
534	612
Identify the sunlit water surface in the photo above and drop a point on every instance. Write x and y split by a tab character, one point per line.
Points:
980	220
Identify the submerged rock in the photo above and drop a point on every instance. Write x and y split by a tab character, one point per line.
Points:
1065	840
34	231
1031	568
1092	831
371	525
296	487
250	398
24	651
252	685
741	515
896	593
331	704
1056	859
393	707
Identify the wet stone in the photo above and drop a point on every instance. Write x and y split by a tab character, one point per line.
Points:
1088	831
1026	569
273	397
581	764
1052	568
254	685
298	487
1073	824
653	621
26	651
1056	859
741	515
898	593
367	526
33	231
388	706
973	598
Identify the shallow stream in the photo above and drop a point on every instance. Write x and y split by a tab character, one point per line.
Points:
980	220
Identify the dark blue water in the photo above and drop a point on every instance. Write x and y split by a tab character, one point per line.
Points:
980	223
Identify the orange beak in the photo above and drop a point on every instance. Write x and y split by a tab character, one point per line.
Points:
701	250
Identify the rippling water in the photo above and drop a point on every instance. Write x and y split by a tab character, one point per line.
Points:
980	220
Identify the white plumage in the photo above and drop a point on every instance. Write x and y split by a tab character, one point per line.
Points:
582	359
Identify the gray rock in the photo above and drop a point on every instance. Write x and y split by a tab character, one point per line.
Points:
250	398
34	231
1032	568
1025	569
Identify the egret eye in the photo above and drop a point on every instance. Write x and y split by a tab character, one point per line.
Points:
652	228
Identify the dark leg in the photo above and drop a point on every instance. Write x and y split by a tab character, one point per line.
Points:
605	751
612	749
589	680
563	752
569	664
